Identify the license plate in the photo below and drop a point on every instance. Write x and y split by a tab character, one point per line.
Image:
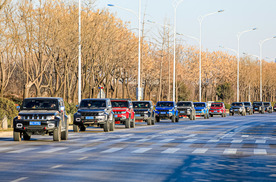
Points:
215	111
163	112
115	116
35	123
138	115
182	112
236	110
89	117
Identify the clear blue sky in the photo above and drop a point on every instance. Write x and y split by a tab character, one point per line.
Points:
218	29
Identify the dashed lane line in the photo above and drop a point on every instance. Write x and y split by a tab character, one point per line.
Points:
260	152
111	150
200	151
82	150
20	179
260	141
190	140
170	150
141	150
230	151
53	150
236	141
166	140
57	166
21	150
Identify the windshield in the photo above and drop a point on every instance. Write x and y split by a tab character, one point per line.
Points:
237	104
119	103
184	104
199	104
164	104
216	105
257	103
92	103
40	104
141	105
247	103
266	104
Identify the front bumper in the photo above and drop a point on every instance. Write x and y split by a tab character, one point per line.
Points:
164	115
216	112
38	127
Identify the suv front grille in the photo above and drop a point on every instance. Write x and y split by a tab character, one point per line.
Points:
89	114
34	117
163	110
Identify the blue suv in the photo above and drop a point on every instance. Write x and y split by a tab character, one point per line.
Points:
202	109
166	110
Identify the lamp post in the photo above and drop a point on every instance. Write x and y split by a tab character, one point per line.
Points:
200	19
238	62
175	4
79	66
261	54
139	45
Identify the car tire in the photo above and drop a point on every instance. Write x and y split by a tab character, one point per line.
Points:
127	123
205	116
132	124
173	119
211	115
149	121
17	136
76	128
153	122
157	120
57	134
82	128
26	136
177	119
191	117
64	134
194	117
112	125
106	126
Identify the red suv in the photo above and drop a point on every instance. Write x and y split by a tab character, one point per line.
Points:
123	112
217	108
274	107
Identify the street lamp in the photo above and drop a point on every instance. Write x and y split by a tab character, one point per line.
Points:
139	46
238	62
261	54
175	4
200	19
79	66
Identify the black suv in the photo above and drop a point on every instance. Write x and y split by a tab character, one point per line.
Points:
144	111
186	109
268	107
258	107
94	112
40	116
248	107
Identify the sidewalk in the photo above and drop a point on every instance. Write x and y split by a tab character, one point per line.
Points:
6	133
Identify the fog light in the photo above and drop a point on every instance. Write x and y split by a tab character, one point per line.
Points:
78	119
19	125
51	125
124	117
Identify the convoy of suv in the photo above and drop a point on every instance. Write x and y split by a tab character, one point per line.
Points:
47	115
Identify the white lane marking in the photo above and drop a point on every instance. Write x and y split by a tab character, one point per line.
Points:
260	152
200	151
121	140
20	179
245	136
166	140
213	141
236	141
141	150
230	151
260	141
192	135
53	150
112	150
170	150
190	140
4	149
143	140
57	166
97	140
22	150
83	158
272	175
81	150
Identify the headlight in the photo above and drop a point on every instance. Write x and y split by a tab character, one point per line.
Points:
146	112
50	117
170	110
240	109
101	113
202	110
19	117
123	112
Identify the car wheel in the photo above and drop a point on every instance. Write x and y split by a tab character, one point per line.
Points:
177	119
76	128
205	116
157	119
211	115
64	134
153	121
127	123
191	117
112	125
82	128
149	121
194	117
26	136
132	124
17	136
57	134
173	119
106	127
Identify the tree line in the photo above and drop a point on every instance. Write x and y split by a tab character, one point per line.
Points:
39	57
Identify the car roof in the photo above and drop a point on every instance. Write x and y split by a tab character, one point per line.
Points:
142	101
59	98
96	99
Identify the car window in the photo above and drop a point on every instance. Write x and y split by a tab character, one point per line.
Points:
141	104
164	104
199	104
184	104
120	103
216	105
92	103
40	104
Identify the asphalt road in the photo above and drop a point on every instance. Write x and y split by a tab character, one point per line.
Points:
217	149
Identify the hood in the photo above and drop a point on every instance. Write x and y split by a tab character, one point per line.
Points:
216	108
184	107
141	109
118	109
91	110
163	108
236	107
200	107
38	112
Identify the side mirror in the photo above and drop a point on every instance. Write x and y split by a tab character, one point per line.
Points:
109	106
62	109
130	107
77	106
18	108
